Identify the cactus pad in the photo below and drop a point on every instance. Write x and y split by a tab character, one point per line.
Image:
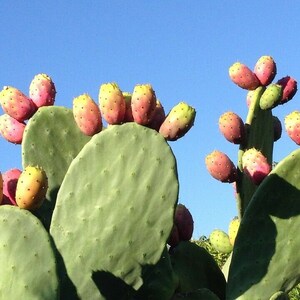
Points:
115	207
28	265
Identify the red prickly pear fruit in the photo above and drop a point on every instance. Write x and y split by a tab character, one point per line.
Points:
277	128
10	179
143	103
1	188
112	103
173	239
42	90
221	167
11	129
233	229
242	76
265	69
255	165
289	88
158	116
178	122
128	111
232	127
16	104
292	126
271	96
87	115
184	222
31	188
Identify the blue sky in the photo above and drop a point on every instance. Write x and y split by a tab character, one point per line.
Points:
183	48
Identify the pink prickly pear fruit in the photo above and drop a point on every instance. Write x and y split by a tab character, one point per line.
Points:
42	90
277	128
271	96
112	103
255	165
128	111
16	104
11	129
178	122
143	103
184	222
31	188
87	114
232	127
221	167
10	179
292	126
158	116
1	188
173	239
242	76
289	88
265	69
233	229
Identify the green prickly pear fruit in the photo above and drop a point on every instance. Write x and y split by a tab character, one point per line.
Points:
292	126
42	90
178	122
233	229
31	188
128	111
158	116
219	239
289	87
265	69
255	165
16	104
232	127
277	128
11	129
112	103
143	103
221	167
87	114
242	76
271	96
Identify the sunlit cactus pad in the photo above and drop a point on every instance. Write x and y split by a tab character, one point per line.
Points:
114	210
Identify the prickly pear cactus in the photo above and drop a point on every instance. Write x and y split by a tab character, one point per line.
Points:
267	260
28	264
115	207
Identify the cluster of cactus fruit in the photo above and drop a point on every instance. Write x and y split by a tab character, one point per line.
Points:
95	209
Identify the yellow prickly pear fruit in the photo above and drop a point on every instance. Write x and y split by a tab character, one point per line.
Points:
31	188
233	229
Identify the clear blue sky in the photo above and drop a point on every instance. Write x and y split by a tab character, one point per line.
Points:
183	48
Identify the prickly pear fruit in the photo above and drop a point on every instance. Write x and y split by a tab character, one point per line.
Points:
221	167
232	127
128	111
11	129
173	239
143	103
158	116
292	126
265	69
87	114
10	179
16	104
31	188
178	122
42	90
219	239
184	222
1	188
289	88
112	103
277	128
233	229
242	76
271	96
255	165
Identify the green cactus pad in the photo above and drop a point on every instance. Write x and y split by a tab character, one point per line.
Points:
28	264
197	269
51	140
115	207
201	294
266	253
